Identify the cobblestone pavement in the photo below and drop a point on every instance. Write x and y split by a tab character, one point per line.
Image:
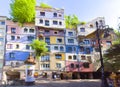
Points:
64	83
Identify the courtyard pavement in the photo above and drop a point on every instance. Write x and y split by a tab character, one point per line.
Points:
64	83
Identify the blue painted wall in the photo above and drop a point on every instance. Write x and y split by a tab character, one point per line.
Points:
18	55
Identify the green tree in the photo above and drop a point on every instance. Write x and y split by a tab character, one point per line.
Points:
39	48
71	21
44	5
23	10
112	56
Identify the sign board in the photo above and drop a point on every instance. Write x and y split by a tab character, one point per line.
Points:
30	73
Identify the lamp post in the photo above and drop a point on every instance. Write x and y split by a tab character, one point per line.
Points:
104	82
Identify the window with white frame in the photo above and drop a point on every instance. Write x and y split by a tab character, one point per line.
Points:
58	56
31	30
59	40
70	33
17	46
45	58
70	40
13	30
82	29
54	14
9	46
12	55
41	21
58	65
55	47
45	65
12	37
25	30
60	23
47	32
27	47
55	22
46	22
42	13
61	48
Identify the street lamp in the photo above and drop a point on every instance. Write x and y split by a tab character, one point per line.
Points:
104	82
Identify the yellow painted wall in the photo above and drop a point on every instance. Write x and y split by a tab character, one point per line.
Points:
53	40
54	61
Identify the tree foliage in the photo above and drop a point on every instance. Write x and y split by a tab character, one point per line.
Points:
71	21
23	10
44	5
39	47
112	56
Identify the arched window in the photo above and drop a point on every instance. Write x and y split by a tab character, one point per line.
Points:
86	65
74	57
25	30
17	46
72	65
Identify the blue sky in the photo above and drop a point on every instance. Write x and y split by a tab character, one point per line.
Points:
86	10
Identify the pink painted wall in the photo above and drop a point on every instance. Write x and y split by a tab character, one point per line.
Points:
81	68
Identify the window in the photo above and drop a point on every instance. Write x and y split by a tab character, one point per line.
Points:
55	47
72	65
70	33
60	23
2	22
58	65
61	48
81	49
83	58
27	47
17	46
69	57
91	26
70	40
69	49
12	37
86	65
55	32
18	37
60	15
82	29
25	30
46	23
41	21
55	22
74	49
47	40
58	56
47	32
74	57
77	65
87	50
42	13
9	46
86	41
31	30
45	65
48	48
30	38
45	58
59	40
55	14
12	55
13	30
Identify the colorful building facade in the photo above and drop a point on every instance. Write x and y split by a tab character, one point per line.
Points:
2	42
18	40
50	26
